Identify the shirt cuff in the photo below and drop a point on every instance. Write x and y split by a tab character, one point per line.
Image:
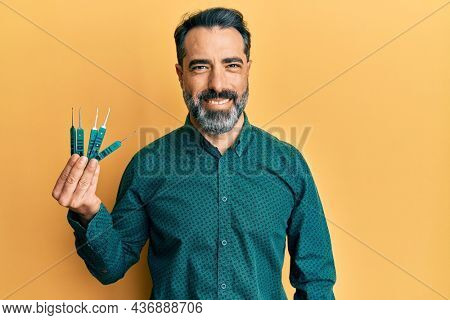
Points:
80	231
99	230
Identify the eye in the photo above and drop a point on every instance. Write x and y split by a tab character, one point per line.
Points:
234	64
195	67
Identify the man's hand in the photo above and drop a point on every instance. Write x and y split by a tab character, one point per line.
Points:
75	187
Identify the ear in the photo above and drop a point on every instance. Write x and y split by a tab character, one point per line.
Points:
179	71
249	65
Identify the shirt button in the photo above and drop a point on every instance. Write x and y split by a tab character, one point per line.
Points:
224	199
224	242
223	285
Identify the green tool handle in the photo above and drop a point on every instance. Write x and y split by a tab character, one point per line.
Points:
73	140
113	147
80	141
98	142
92	137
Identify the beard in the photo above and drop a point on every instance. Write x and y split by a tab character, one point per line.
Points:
215	122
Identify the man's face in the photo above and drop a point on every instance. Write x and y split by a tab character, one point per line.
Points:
214	77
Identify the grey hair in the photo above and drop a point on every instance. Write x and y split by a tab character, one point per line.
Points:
209	18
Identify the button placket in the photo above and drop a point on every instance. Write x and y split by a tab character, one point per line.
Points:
223	235
221	262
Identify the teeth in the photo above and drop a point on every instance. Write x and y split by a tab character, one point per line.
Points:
217	101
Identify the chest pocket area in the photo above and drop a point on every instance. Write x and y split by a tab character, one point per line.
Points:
261	207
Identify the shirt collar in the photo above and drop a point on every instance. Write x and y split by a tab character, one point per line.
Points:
239	144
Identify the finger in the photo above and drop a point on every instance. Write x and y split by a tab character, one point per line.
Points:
93	186
84	183
90	194
72	181
63	176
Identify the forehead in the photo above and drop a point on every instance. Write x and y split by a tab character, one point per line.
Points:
201	42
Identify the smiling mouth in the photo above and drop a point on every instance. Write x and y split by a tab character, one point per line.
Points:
216	102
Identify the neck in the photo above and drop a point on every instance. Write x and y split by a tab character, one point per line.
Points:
221	141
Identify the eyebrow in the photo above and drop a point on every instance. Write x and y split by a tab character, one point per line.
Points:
207	61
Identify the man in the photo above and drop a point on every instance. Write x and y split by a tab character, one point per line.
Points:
216	197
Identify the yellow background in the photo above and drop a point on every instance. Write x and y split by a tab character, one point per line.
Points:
375	94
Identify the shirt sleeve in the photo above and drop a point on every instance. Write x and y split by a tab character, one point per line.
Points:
312	270
112	242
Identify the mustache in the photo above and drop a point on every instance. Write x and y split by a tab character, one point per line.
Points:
212	94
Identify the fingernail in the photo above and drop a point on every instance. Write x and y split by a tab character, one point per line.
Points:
92	162
83	160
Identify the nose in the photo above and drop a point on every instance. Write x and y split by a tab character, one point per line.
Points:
217	80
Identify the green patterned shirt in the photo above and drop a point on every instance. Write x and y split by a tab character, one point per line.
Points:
217	224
